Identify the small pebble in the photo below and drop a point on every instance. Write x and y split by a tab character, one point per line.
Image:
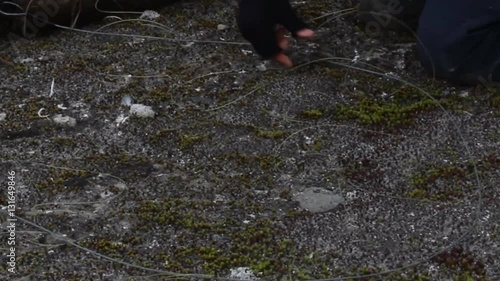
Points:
150	15
242	273
127	100
64	120
261	67
222	27
317	200
3	115
27	60
464	94
141	110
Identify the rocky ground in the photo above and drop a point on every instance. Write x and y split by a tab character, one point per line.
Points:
353	165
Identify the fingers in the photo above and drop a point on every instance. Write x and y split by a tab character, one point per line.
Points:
264	41
284	14
283	59
305	33
283	41
258	27
257	20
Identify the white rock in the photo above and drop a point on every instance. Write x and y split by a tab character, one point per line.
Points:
242	273
121	119
221	27
150	15
261	67
3	115
27	60
464	94
141	110
64	120
127	100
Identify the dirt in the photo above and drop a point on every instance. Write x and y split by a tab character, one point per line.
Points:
212	183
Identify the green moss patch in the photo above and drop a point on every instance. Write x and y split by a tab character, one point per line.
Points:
369	112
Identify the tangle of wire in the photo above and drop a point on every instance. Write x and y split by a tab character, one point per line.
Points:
330	60
72	28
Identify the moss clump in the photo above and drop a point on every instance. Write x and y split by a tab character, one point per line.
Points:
439	183
442	172
336	73
312	113
264	161
314	9
417	193
159	95
276	134
369	112
32	107
21	68
188	141
110	248
256	245
122	165
62	141
253	244
490	161
58	180
161	134
204	23
495	102
76	64
286	193
33	258
267	161
177	212
315	145
468	266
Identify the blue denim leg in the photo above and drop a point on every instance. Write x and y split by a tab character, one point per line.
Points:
460	40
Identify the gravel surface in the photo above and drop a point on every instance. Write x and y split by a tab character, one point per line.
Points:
354	163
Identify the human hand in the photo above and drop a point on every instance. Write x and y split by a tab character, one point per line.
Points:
265	23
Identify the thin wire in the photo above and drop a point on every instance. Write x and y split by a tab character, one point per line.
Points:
115	12
172	40
70	242
13	14
26	17
335	13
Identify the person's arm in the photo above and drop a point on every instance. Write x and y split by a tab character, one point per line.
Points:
259	22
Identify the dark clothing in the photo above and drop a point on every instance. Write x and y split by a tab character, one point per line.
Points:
460	40
397	15
257	20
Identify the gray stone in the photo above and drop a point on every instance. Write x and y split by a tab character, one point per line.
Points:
142	111
65	121
318	200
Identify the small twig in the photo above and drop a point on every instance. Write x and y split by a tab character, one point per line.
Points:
6	62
